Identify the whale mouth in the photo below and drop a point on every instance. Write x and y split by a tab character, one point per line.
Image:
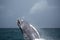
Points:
18	21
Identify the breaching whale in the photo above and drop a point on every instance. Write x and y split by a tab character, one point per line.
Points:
29	32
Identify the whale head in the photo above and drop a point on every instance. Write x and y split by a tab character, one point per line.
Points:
20	22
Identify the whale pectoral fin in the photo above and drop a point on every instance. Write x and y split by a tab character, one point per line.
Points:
26	37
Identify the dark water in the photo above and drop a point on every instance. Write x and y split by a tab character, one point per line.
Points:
15	34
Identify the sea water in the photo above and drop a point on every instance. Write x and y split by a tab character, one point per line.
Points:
16	34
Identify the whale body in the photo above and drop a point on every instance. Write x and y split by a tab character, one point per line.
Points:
29	32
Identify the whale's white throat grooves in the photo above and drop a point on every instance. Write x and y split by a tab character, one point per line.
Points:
35	30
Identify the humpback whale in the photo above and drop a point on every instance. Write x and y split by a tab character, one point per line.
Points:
28	30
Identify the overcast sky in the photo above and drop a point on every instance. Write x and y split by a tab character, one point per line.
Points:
42	13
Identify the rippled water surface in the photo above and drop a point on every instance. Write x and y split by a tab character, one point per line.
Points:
15	34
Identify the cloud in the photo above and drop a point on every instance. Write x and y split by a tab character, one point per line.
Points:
40	6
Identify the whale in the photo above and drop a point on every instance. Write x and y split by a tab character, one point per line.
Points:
28	30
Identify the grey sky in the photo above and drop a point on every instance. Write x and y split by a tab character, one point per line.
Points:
42	13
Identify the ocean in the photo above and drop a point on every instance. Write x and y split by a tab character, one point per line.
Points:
16	34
